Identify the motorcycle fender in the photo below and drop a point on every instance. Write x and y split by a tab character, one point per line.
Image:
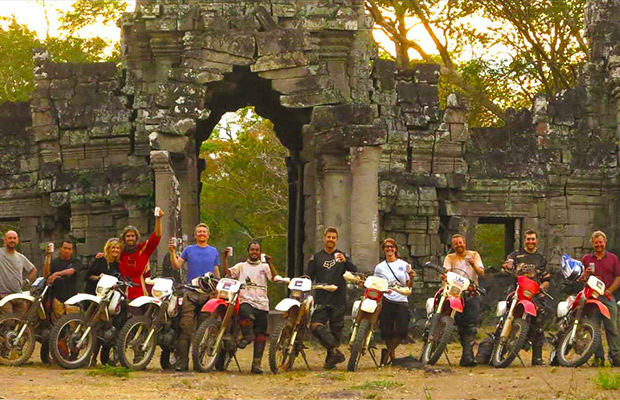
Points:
212	305
286	304
601	307
80	297
356	308
368	305
456	304
142	300
16	296
528	307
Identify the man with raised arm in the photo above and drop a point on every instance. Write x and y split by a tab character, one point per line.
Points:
200	258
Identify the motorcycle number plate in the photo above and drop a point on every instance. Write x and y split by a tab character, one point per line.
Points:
228	285
457	280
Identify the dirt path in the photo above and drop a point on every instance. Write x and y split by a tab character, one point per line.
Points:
37	381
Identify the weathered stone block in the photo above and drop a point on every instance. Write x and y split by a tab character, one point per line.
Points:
293	85
279	61
312	98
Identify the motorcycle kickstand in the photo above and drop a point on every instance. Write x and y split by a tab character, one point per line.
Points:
237	362
445	352
303	355
372	355
520	359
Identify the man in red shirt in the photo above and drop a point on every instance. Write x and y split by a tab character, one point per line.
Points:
605	266
134	260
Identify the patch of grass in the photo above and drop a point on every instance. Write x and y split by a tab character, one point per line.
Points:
377	385
334	376
107	370
607	380
427	393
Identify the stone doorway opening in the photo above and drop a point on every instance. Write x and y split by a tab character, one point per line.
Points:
495	237
246	93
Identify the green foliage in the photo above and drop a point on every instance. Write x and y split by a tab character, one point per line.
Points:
245	188
606	379
108	370
88	12
17	43
490	244
378	385
540	40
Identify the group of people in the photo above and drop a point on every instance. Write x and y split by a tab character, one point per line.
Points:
129	257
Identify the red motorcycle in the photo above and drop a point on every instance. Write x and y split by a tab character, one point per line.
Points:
579	332
514	324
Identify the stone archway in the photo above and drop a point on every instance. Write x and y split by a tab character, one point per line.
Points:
303	65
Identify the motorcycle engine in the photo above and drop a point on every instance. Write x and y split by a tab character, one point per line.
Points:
167	337
109	334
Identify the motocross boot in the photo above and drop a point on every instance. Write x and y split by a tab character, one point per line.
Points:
537	359
467	356
259	348
247	333
182	355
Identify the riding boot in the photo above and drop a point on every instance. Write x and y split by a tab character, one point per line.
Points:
182	355
259	348
467	356
247	333
325	336
537	354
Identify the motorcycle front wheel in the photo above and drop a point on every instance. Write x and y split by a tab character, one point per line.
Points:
130	343
64	338
205	355
442	332
280	360
587	339
357	348
12	351
505	351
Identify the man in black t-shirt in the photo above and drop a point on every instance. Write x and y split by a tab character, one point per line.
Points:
532	264
327	266
62	274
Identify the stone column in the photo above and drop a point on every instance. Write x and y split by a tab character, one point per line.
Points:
365	206
167	197
336	198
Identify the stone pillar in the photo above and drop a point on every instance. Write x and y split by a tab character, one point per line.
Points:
167	197
364	206
336	199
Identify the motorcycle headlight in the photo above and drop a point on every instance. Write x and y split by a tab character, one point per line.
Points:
454	291
296	294
157	293
528	294
595	294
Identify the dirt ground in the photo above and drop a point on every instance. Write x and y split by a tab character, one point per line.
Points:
37	381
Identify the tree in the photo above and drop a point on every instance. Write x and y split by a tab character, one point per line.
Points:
17	43
543	40
245	188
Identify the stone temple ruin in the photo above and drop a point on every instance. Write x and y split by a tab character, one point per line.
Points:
370	149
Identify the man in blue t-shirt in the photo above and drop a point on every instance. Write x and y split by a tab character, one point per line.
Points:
200	258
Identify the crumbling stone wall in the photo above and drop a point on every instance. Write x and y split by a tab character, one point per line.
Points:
370	149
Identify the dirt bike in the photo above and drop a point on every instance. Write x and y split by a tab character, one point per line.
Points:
157	324
290	331
514	324
579	325
366	313
214	344
74	337
441	311
20	332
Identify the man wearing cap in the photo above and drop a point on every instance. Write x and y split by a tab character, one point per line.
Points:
134	260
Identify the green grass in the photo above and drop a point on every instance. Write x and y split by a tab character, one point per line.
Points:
607	380
377	385
334	376
107	370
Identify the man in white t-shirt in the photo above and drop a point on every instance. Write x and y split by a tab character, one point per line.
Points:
254	308
467	321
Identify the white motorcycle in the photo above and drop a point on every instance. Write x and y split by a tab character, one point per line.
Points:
157	324
74	336
290	331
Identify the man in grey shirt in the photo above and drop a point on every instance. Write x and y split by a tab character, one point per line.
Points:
14	268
